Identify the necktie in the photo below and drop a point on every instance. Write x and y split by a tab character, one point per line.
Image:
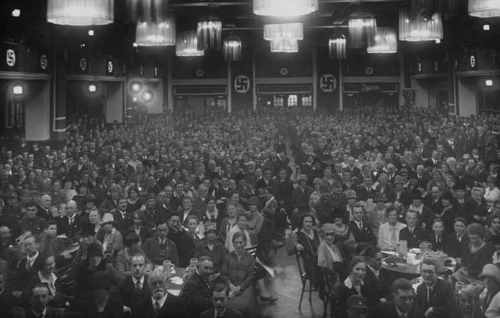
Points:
138	285
428	296
157	308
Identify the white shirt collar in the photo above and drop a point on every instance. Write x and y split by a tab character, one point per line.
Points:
140	280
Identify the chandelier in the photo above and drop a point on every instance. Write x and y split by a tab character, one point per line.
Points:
420	28
484	8
284	8
209	33
337	48
385	41
361	31
232	48
187	45
155	34
80	12
284	46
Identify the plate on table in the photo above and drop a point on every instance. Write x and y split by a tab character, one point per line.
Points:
175	292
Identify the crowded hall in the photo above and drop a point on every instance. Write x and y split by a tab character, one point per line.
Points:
250	159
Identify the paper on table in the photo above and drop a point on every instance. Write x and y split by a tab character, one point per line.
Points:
175	292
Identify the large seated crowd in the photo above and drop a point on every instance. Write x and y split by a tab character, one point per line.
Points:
97	225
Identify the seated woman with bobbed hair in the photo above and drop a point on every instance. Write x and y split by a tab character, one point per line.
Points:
330	256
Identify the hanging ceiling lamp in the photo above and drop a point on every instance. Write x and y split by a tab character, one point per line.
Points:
187	45
337	48
284	8
209	33
147	10
232	48
361	31
420	28
284	46
155	33
80	12
384	42
278	31
484	8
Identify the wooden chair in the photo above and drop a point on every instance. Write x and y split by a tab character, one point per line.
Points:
306	281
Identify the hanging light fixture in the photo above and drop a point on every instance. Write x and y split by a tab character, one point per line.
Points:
80	12
337	47
155	33
284	8
284	45
361	31
187	45
232	48
420	28
277	31
484	8
384	42
209	33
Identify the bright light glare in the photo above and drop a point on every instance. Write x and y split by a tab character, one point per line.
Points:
18	90
16	13
92	88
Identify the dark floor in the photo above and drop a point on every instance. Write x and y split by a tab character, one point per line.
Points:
288	286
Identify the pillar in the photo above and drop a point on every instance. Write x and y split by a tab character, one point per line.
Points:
170	92
229	88
402	78
315	78
254	85
341	86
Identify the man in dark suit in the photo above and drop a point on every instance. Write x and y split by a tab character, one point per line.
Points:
435	297
182	240
123	221
412	233
402	302
30	264
134	291
219	300
456	243
160	248
162	304
197	290
362	233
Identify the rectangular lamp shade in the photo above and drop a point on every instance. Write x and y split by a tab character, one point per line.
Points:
155	34
420	28
284	46
80	12
384	42
284	8
361	32
337	48
187	45
276	31
484	8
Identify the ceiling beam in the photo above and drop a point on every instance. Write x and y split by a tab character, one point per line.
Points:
247	3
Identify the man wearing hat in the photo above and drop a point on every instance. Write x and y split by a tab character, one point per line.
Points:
110	238
491	278
211	246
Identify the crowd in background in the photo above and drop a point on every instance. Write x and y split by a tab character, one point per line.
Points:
96	224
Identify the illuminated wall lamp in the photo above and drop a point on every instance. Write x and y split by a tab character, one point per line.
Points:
16	13
92	88
17	90
486	27
488	83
